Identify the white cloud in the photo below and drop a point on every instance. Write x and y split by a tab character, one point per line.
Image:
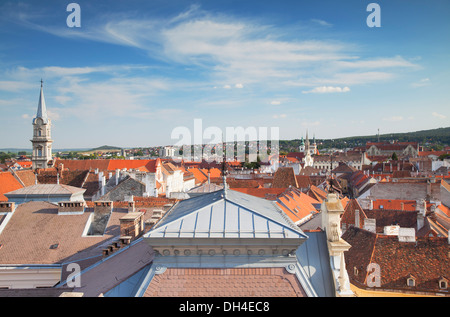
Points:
438	115
327	89
393	118
421	83
227	86
229	48
275	102
15	86
321	22
239	86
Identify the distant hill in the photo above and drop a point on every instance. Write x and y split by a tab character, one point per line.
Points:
439	136
106	148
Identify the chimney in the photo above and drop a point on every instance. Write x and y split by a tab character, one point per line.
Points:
103	207
100	175
7	206
103	185
421	212
370	204
96	171
71	207
406	235
117	176
402	206
131	206
357	218
57	178
132	225
209	177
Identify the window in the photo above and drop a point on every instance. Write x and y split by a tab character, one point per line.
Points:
411	282
443	283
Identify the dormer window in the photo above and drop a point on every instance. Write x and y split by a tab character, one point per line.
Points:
411	281
443	283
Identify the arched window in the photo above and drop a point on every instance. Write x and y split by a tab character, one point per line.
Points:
443	283
411	281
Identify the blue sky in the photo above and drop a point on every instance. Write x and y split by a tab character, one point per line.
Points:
135	70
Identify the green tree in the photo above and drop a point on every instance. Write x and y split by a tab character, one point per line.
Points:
394	156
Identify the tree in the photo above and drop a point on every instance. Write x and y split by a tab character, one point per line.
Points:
394	156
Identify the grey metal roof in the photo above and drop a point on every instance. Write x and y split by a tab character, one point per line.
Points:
46	189
314	258
205	188
226	214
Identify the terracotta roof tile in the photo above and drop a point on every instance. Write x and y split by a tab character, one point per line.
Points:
8	183
348	217
221	282
426	259
405	219
27	177
284	177
267	193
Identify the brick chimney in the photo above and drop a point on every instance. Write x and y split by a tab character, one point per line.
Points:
103	207
7	206
132	225
71	207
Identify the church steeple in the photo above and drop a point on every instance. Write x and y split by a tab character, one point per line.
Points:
42	109
41	142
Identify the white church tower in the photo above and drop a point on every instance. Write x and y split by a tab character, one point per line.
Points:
42	142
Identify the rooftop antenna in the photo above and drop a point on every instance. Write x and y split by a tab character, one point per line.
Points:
378	134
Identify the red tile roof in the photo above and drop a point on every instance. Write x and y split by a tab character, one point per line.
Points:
27	177
284	177
297	205
426	259
108	165
405	219
222	282
348	217
200	177
303	181
316	193
8	183
25	164
267	193
444	209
